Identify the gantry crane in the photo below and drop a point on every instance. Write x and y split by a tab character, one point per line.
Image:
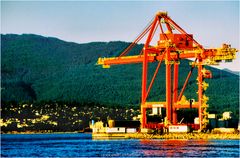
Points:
174	44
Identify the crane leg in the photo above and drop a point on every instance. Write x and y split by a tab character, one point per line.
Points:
175	92
200	79
168	88
144	90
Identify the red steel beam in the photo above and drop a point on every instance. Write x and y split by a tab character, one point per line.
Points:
169	20
184	106
175	91
144	72
150	58
168	86
136	40
186	82
154	76
200	91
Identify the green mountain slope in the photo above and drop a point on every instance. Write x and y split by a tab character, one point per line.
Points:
39	69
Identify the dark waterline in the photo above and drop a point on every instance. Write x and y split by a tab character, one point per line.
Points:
82	145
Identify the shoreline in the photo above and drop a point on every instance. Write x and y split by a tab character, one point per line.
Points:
180	136
185	136
41	132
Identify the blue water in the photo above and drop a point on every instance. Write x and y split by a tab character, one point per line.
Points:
82	145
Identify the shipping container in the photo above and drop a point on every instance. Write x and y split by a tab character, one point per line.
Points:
131	130
116	130
179	128
213	123
98	130
221	124
226	123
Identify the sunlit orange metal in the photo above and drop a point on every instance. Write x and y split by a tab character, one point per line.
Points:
167	18
154	76
136	40
177	46
168	86
175	92
145	70
186	81
200	91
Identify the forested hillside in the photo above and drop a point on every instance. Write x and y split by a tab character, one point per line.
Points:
39	70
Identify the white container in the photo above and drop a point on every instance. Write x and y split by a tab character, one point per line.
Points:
98	130
116	130
131	130
179	128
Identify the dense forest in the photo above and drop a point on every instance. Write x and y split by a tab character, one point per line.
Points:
39	70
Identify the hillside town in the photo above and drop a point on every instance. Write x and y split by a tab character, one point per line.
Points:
58	118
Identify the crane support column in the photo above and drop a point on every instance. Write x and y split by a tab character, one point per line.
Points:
175	91
200	96
144	87
168	86
145	72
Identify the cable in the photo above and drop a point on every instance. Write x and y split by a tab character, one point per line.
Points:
137	39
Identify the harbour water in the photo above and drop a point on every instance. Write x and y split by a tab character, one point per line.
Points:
82	145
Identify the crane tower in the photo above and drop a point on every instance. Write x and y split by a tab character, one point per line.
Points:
173	45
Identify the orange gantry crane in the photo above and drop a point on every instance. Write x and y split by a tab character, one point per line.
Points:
173	45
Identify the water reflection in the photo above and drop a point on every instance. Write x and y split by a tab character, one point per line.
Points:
82	145
172	148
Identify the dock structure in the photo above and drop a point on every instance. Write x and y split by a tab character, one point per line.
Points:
112	132
187	136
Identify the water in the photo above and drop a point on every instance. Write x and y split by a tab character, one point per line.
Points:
79	145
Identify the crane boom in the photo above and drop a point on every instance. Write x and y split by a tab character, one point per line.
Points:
211	55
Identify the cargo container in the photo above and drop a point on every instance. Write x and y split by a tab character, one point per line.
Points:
213	123
227	123
178	128
116	130
98	130
131	130
221	123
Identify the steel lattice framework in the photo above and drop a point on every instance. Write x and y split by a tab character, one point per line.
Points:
174	44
